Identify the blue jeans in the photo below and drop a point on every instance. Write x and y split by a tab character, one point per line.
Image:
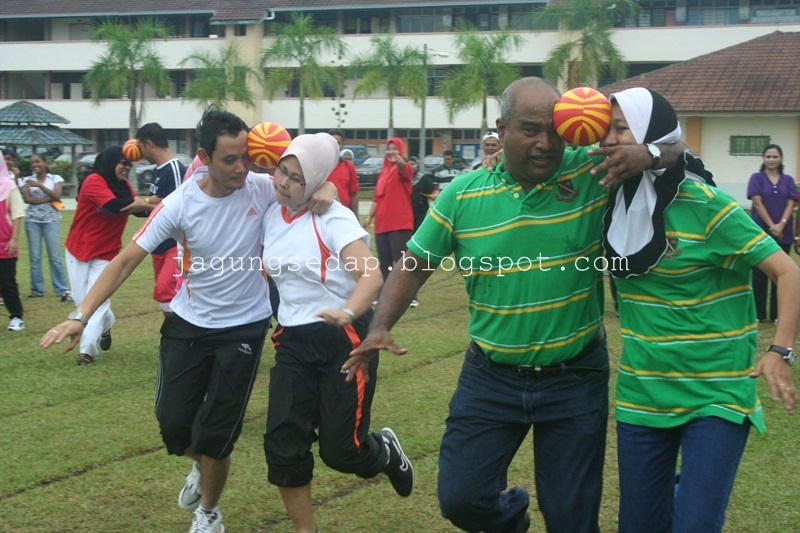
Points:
491	412
51	233
710	448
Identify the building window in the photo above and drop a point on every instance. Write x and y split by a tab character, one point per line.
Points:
483	18
524	17
712	12
422	20
651	13
435	79
748	144
361	22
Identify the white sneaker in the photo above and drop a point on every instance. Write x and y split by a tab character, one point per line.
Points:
207	523
189	497
16	324
414	303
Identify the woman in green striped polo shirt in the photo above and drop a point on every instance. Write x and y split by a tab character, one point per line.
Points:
681	252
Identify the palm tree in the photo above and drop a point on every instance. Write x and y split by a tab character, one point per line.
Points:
221	77
301	42
130	62
581	60
484	71
397	71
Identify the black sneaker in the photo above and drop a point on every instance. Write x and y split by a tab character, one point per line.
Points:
105	341
399	469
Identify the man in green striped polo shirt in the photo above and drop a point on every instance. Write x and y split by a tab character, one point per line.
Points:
527	238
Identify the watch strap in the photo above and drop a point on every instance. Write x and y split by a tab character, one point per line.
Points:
77	315
779	349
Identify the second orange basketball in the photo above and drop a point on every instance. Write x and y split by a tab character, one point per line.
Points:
582	116
266	143
131	151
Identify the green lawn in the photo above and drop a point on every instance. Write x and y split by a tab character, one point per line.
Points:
83	451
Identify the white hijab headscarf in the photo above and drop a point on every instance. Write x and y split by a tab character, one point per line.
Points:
318	155
634	222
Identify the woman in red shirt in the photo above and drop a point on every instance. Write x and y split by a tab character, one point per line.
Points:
391	206
95	238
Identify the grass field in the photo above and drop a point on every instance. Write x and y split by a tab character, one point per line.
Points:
82	451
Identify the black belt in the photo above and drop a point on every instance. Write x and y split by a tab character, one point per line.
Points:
559	368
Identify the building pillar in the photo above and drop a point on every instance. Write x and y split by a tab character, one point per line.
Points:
694	134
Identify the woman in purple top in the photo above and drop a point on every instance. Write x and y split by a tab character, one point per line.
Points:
774	195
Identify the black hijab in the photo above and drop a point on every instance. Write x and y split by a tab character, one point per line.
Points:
106	165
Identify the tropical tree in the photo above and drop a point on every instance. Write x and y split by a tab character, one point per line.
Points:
221	77
300	42
589	50
396	71
130	62
484	70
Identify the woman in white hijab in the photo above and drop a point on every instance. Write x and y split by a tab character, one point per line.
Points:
327	279
689	331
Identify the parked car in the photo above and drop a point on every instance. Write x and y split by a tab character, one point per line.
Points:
50	152
145	169
435	160
85	163
360	153
368	171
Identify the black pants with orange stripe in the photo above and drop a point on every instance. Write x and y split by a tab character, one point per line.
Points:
310	400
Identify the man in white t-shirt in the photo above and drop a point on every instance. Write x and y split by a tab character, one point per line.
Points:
211	344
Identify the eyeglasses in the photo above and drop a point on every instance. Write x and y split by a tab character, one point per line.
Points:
294	178
125	163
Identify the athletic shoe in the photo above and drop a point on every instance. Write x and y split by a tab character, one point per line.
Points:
414	303
16	324
399	468
105	341
35	295
189	497
207	522
85	359
67	297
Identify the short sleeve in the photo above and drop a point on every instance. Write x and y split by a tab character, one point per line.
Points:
16	207
351	169
753	188
735	242
435	238
791	188
340	228
95	190
162	224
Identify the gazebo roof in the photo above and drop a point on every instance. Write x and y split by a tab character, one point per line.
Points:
26	124
24	112
39	136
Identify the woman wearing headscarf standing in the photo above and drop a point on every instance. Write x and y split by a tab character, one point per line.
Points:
774	196
689	332
324	313
95	238
12	211
391	207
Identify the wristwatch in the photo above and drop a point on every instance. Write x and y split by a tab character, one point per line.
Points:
77	315
787	353
655	153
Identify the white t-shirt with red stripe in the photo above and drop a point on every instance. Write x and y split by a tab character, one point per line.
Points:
302	256
224	284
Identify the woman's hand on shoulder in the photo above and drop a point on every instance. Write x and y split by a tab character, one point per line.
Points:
335	317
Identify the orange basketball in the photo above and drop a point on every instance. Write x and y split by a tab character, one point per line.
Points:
266	144
131	151
582	116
